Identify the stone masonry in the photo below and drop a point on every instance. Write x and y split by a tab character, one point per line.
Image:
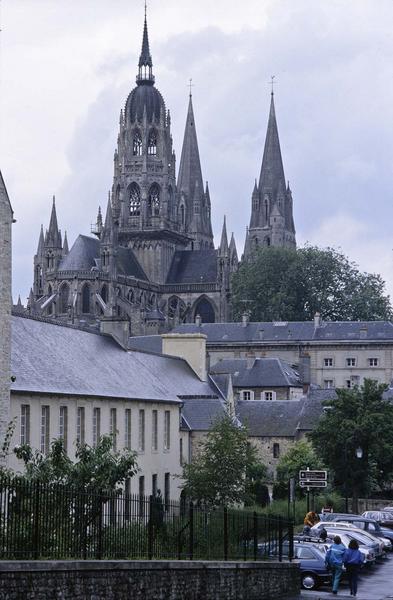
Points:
6	218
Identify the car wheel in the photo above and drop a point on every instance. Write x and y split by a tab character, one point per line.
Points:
309	581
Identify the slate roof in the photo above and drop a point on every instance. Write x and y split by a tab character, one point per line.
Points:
85	253
200	414
270	419
82	256
193	266
291	331
146	343
271	372
50	358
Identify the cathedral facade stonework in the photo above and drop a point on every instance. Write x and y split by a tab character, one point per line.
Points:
152	261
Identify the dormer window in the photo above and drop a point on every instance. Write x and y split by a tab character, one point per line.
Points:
152	144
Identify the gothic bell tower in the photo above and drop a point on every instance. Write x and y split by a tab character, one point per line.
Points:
144	198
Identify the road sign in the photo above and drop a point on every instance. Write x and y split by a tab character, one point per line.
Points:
305	475
313	483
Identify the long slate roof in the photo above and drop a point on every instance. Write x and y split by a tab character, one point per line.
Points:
193	266
49	358
272	372
291	331
200	414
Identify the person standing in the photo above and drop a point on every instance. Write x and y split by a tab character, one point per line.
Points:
353	560
334	561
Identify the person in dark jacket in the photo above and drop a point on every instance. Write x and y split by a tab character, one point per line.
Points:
334	561
353	560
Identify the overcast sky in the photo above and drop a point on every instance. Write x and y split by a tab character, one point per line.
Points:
67	67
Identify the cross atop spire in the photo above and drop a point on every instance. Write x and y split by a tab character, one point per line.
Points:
145	64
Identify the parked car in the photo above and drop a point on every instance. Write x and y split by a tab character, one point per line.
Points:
383	517
384	543
371	549
369	525
313	572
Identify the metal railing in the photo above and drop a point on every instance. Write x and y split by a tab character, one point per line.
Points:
39	521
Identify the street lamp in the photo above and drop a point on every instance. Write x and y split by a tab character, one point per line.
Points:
359	455
359	452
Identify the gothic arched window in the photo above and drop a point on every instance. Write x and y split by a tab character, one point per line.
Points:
86	298
152	143
64	296
104	293
205	310
135	200
170	203
154	200
266	209
137	144
50	307
182	215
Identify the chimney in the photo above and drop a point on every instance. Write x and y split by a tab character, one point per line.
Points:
317	320
245	319
250	356
191	347
117	328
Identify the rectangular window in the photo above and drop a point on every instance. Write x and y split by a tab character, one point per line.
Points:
352	382
63	425
25	424
328	384
181	452
80	425
154	486
113	427
45	423
246	395
141	496
127	429
276	450
154	431
96	426
269	395
167	491
351	362
167	430
372	362
141	435
328	362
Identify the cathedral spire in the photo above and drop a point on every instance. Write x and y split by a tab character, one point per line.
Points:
145	64
40	247
272	171
65	244
53	235
190	171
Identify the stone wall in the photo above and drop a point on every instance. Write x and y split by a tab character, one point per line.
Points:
5	308
148	580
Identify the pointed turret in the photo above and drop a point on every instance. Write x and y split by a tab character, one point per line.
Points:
65	244
233	251
223	248
40	247
53	236
272	169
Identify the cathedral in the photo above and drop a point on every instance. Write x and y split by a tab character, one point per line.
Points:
152	260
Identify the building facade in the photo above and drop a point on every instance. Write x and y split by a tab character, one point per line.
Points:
6	219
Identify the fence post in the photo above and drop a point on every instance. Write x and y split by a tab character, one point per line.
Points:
36	520
150	529
280	539
191	549
99	526
290	538
255	534
225	533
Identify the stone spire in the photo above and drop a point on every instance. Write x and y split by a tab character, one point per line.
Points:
233	249
65	244
272	177
40	247
190	184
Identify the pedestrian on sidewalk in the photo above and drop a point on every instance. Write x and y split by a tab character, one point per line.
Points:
334	561
353	560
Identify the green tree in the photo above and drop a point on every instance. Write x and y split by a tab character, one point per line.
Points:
292	285
95	468
218	473
300	456
359	419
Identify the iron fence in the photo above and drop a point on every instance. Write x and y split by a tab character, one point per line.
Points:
39	521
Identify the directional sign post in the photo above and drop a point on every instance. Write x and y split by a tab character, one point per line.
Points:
310	480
